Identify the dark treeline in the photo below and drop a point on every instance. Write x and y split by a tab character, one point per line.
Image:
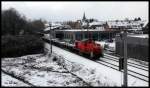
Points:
19	35
14	23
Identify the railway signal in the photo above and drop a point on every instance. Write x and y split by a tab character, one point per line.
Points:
121	61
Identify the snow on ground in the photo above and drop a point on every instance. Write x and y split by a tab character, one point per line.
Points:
39	71
107	75
87	74
9	81
63	68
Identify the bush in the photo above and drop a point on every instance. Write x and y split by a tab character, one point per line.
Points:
14	46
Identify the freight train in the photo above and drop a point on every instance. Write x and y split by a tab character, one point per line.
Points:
87	48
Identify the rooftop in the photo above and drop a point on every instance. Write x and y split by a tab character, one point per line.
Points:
140	35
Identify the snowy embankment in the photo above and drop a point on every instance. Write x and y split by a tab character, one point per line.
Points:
105	75
89	75
89	71
10	81
39	70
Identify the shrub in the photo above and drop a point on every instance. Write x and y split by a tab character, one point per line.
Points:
14	46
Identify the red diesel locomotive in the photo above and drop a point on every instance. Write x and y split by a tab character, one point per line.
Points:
89	47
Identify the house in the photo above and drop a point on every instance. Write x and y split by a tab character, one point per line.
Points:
129	25
100	25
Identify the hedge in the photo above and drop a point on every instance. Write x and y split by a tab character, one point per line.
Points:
15	46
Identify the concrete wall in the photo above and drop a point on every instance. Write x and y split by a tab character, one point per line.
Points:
136	47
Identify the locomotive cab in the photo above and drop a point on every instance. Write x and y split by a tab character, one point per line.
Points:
89	47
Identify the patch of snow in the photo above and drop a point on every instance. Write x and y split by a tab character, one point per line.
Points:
41	75
8	81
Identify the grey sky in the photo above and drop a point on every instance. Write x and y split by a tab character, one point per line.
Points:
63	11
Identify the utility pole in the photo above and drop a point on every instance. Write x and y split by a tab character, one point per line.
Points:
88	29
50	25
125	81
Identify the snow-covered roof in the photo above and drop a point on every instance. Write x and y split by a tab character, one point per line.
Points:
125	23
81	30
97	23
46	24
46	29
140	35
53	26
84	24
56	24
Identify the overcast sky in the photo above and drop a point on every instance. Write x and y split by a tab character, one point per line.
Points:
63	11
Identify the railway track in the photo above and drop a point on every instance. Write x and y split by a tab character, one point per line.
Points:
112	62
143	67
138	62
115	65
